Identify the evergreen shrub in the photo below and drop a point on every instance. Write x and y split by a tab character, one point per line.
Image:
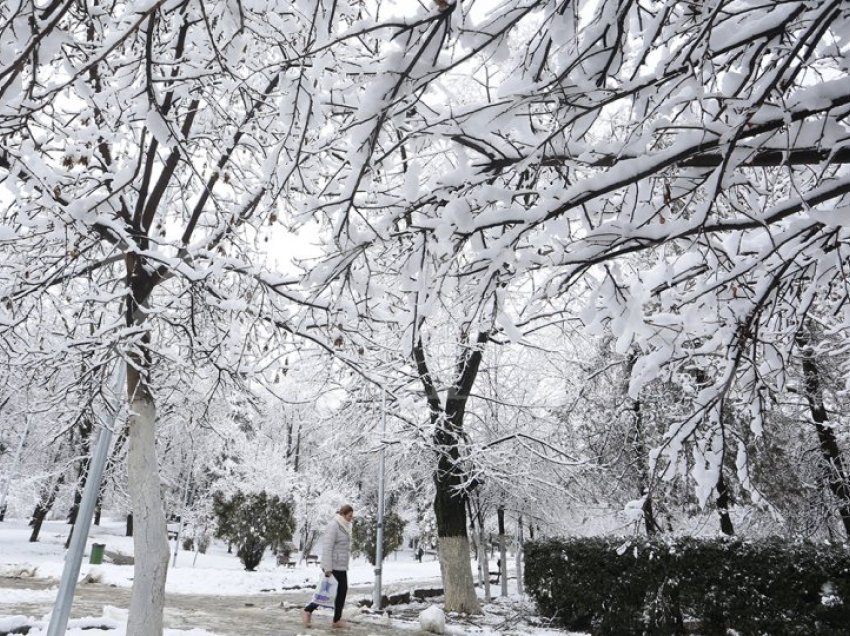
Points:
615	586
364	534
252	522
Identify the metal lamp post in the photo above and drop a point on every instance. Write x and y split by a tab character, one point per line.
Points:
74	556
379	539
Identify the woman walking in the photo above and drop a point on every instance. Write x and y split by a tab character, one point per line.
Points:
336	551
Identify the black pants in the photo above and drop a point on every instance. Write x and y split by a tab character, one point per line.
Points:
341	577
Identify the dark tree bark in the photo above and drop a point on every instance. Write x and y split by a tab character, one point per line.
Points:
98	508
82	475
451	483
503	553
75	507
726	526
836	472
45	504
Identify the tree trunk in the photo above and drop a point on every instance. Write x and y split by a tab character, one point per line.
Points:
128	530
98	509
85	428
150	542
78	498
451	483
482	556
638	448
830	452
519	554
48	497
726	526
453	544
474	536
37	519
456	570
503	553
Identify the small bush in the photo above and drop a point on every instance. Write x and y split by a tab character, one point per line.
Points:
364	534
252	522
676	586
203	543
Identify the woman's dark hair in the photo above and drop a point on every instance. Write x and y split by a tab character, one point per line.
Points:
344	510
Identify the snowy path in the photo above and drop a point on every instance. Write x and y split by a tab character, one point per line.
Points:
261	615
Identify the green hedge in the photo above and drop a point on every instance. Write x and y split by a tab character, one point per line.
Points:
623	586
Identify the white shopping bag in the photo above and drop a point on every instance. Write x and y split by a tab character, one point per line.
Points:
325	593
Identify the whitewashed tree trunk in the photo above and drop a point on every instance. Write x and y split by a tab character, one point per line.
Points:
519	557
456	570
484	562
150	541
449	478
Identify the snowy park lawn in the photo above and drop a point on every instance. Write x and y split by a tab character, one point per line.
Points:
215	573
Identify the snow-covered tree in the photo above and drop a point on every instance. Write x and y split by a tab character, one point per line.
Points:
548	142
146	152
672	174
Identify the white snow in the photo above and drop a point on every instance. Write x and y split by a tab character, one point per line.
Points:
222	573
433	620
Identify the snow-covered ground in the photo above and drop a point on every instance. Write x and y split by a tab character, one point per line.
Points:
223	573
217	574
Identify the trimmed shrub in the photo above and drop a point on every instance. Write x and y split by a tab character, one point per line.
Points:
618	586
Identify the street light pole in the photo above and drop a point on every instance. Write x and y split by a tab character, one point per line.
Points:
74	556
379	539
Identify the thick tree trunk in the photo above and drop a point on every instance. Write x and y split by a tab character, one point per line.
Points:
150	542
453	544
836	472
456	570
37	519
451	483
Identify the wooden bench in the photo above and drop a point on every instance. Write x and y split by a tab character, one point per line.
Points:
283	559
312	558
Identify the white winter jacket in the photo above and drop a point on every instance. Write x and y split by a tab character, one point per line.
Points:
336	547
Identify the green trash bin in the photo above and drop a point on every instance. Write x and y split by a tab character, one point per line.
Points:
97	553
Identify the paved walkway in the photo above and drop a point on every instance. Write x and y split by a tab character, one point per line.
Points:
277	614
